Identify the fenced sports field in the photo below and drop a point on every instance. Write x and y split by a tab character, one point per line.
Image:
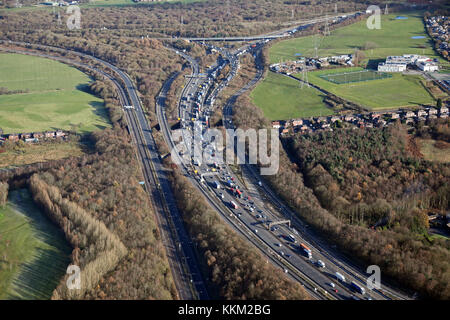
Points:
355	76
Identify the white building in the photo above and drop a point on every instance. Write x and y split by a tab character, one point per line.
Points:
427	66
391	67
400	63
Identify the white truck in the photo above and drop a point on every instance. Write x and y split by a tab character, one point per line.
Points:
340	277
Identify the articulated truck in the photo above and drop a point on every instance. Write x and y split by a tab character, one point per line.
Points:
306	250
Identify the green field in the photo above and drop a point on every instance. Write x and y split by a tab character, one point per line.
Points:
394	38
355	76
54	97
389	93
34	254
281	98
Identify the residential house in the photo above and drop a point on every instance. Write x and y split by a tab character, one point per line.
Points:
374	116
38	135
432	111
297	122
321	119
334	119
394	115
49	134
25	136
421	113
409	114
349	118
60	133
13	137
304	128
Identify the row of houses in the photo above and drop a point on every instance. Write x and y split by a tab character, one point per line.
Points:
401	63
367	120
438	28
59	3
34	136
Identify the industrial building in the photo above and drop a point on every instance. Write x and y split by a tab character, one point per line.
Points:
400	63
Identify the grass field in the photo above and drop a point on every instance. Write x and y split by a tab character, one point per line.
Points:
33	252
389	93
394	38
32	153
282	98
432	153
355	76
54	99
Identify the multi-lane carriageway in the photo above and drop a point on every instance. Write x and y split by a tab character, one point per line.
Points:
316	280
182	258
179	247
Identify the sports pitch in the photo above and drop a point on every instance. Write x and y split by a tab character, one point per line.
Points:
355	76
388	93
394	38
54	97
281	98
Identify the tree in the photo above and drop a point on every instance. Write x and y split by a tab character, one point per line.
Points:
3	193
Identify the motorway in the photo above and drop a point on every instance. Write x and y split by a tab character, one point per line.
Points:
285	32
257	206
179	247
253	215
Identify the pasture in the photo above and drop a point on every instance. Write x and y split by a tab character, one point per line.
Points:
53	97
34	252
281	98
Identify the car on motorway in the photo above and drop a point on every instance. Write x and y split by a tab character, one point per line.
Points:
274	229
255	230
320	263
221	195
278	244
282	253
332	284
